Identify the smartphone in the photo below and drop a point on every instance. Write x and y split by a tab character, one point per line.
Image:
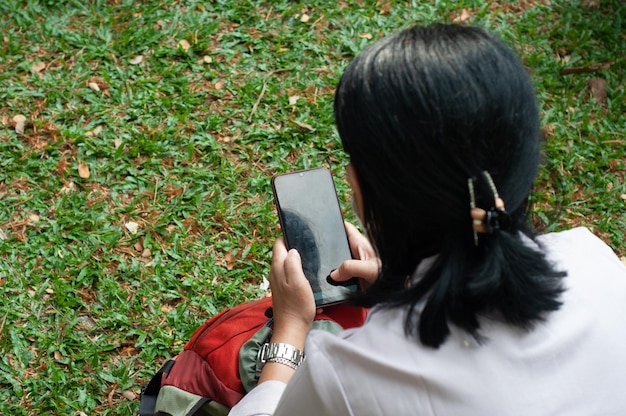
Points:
311	221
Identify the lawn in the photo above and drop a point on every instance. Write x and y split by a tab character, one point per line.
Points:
138	139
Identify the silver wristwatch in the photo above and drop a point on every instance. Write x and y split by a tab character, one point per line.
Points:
278	352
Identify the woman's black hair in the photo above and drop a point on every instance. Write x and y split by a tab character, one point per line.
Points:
420	113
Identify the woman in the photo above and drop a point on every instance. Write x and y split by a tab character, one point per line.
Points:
472	314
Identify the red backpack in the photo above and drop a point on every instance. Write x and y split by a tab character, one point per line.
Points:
219	364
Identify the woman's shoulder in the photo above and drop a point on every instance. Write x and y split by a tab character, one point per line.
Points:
579	247
595	274
577	234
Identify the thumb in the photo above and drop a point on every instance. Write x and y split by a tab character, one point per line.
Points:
293	266
365	270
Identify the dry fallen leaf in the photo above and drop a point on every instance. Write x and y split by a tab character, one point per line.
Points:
38	67
464	17
68	188
565	58
117	143
136	60
87	322
293	99
623	196
83	170
100	84
265	285
230	260
365	35
304	18
62	165
129	395
592	4
20	122
94	132
3	235
385	8
184	45
219	85
132	227
207	59
598	89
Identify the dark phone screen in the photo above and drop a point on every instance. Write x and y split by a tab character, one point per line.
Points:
312	223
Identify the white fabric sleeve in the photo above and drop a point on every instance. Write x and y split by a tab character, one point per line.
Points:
315	389
260	401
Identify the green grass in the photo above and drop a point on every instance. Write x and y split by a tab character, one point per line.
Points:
184	143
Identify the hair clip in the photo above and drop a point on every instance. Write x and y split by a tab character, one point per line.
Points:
487	221
475	221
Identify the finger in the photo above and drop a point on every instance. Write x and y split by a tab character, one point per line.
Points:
353	233
280	249
359	244
279	252
351	228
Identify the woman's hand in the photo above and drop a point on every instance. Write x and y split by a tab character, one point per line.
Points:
365	265
292	297
293	307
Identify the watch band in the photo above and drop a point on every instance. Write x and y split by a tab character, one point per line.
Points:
278	352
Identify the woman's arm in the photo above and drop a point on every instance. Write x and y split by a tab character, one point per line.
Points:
293	306
294	310
292	296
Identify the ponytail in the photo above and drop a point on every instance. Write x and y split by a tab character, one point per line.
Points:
504	277
499	274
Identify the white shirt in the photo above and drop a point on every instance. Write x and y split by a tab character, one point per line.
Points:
572	364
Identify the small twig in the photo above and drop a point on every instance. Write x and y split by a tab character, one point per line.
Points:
258	100
156	188
586	69
317	21
263	88
2	325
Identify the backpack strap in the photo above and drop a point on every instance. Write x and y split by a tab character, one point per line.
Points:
150	391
